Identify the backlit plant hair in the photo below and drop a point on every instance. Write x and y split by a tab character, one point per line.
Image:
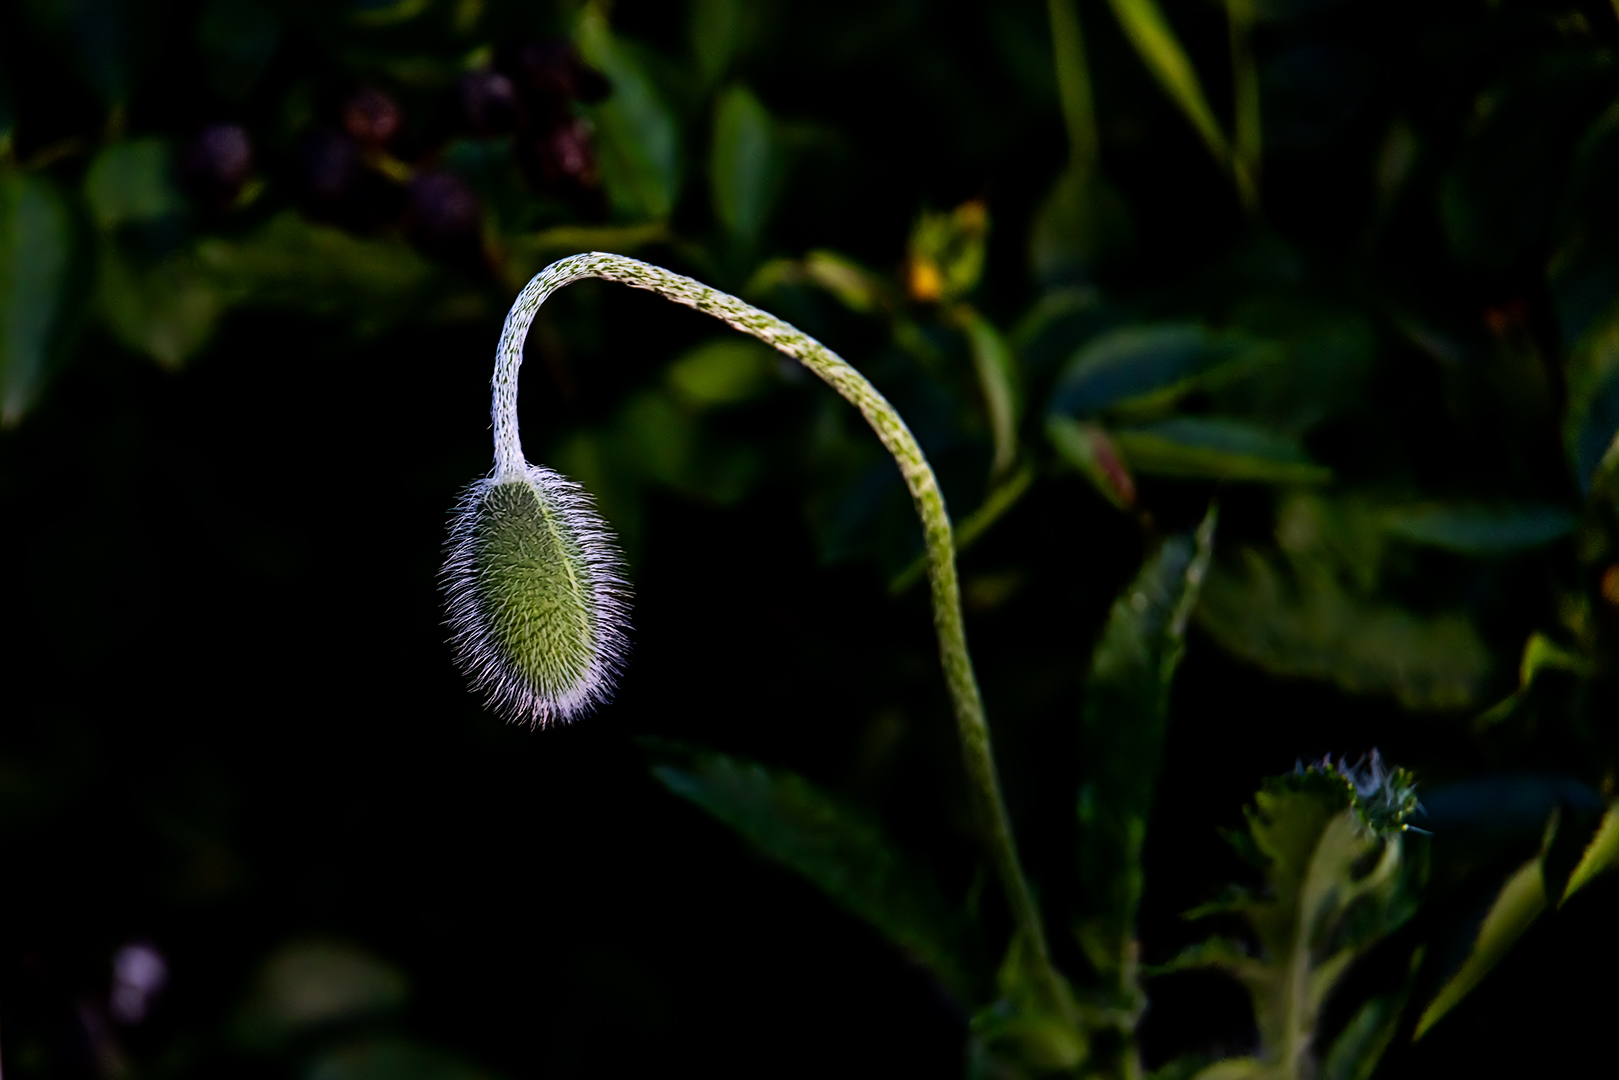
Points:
535	588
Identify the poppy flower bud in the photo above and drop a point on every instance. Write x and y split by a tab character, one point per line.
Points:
536	596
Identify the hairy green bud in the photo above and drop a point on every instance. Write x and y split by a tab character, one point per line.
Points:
536	596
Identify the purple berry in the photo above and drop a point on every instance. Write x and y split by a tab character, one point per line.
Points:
489	101
216	164
371	116
443	216
329	165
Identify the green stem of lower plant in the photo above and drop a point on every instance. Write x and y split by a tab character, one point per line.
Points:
967	704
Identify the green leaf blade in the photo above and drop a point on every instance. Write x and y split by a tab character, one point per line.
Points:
846	856
35	246
743	164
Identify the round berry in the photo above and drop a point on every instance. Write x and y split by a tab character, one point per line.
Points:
217	163
371	117
489	101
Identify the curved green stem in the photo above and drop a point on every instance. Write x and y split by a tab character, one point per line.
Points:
913	466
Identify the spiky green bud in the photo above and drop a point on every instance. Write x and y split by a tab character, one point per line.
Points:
536	594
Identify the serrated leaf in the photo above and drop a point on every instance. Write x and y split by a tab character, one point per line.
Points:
637	139
1121	743
839	850
1337	881
1479	530
1516	907
743	163
1217	449
1601	854
1307	624
35	244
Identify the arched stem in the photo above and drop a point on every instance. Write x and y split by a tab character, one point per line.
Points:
913	466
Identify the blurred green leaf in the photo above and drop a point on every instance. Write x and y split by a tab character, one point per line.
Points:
1519	903
636	135
1092	451
1336	880
102	38
1081	223
1074	84
390	1059
129	183
1306	360
1480	530
1500	195
1219	449
715	30
945	257
1146	368
854	286
1024	1032
35	244
1122	729
295	263
1359	1047
1591	418
165	310
998	380
845	855
726	370
1306	624
1601	854
1160	50
668	447
312	984
237	38
373	13
743	164
528	253
1001	498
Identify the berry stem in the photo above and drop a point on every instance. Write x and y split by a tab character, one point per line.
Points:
837	373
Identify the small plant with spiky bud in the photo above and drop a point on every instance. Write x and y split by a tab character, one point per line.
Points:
538	603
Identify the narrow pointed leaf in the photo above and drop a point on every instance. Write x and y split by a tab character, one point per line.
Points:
743	165
1601	854
1480	530
1218	449
34	249
1160	50
844	854
997	381
1519	903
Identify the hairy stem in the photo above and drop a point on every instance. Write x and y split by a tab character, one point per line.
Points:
913	466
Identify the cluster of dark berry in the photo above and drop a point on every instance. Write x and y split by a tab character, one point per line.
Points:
345	170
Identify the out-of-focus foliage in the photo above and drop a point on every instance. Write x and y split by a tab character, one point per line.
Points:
1349	272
